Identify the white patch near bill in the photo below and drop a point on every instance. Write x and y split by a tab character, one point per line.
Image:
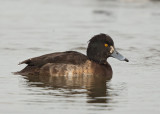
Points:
111	49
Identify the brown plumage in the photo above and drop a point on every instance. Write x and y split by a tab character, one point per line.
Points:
72	63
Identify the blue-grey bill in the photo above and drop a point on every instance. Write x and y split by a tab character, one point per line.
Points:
118	56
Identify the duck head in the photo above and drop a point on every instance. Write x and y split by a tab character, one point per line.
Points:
101	47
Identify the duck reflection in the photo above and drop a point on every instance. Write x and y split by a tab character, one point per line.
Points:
96	88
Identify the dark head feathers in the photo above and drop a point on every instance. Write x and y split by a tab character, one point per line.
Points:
102	38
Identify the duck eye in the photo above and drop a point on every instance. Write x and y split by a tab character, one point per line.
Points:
106	45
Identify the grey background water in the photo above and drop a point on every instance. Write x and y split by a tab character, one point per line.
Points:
30	28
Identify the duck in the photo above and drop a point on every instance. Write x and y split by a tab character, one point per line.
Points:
73	63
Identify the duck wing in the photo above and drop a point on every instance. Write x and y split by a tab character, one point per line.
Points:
68	57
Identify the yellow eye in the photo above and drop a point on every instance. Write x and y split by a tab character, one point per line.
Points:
106	45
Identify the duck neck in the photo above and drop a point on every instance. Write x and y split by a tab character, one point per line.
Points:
97	60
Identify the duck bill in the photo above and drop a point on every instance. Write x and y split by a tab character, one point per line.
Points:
118	56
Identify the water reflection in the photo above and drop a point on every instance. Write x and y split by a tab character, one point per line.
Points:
96	88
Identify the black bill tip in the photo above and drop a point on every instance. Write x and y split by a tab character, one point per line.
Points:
126	60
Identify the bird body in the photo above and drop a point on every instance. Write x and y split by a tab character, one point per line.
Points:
72	63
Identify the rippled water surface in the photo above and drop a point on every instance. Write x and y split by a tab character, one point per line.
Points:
30	28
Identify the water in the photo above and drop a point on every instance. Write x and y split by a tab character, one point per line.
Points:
31	28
